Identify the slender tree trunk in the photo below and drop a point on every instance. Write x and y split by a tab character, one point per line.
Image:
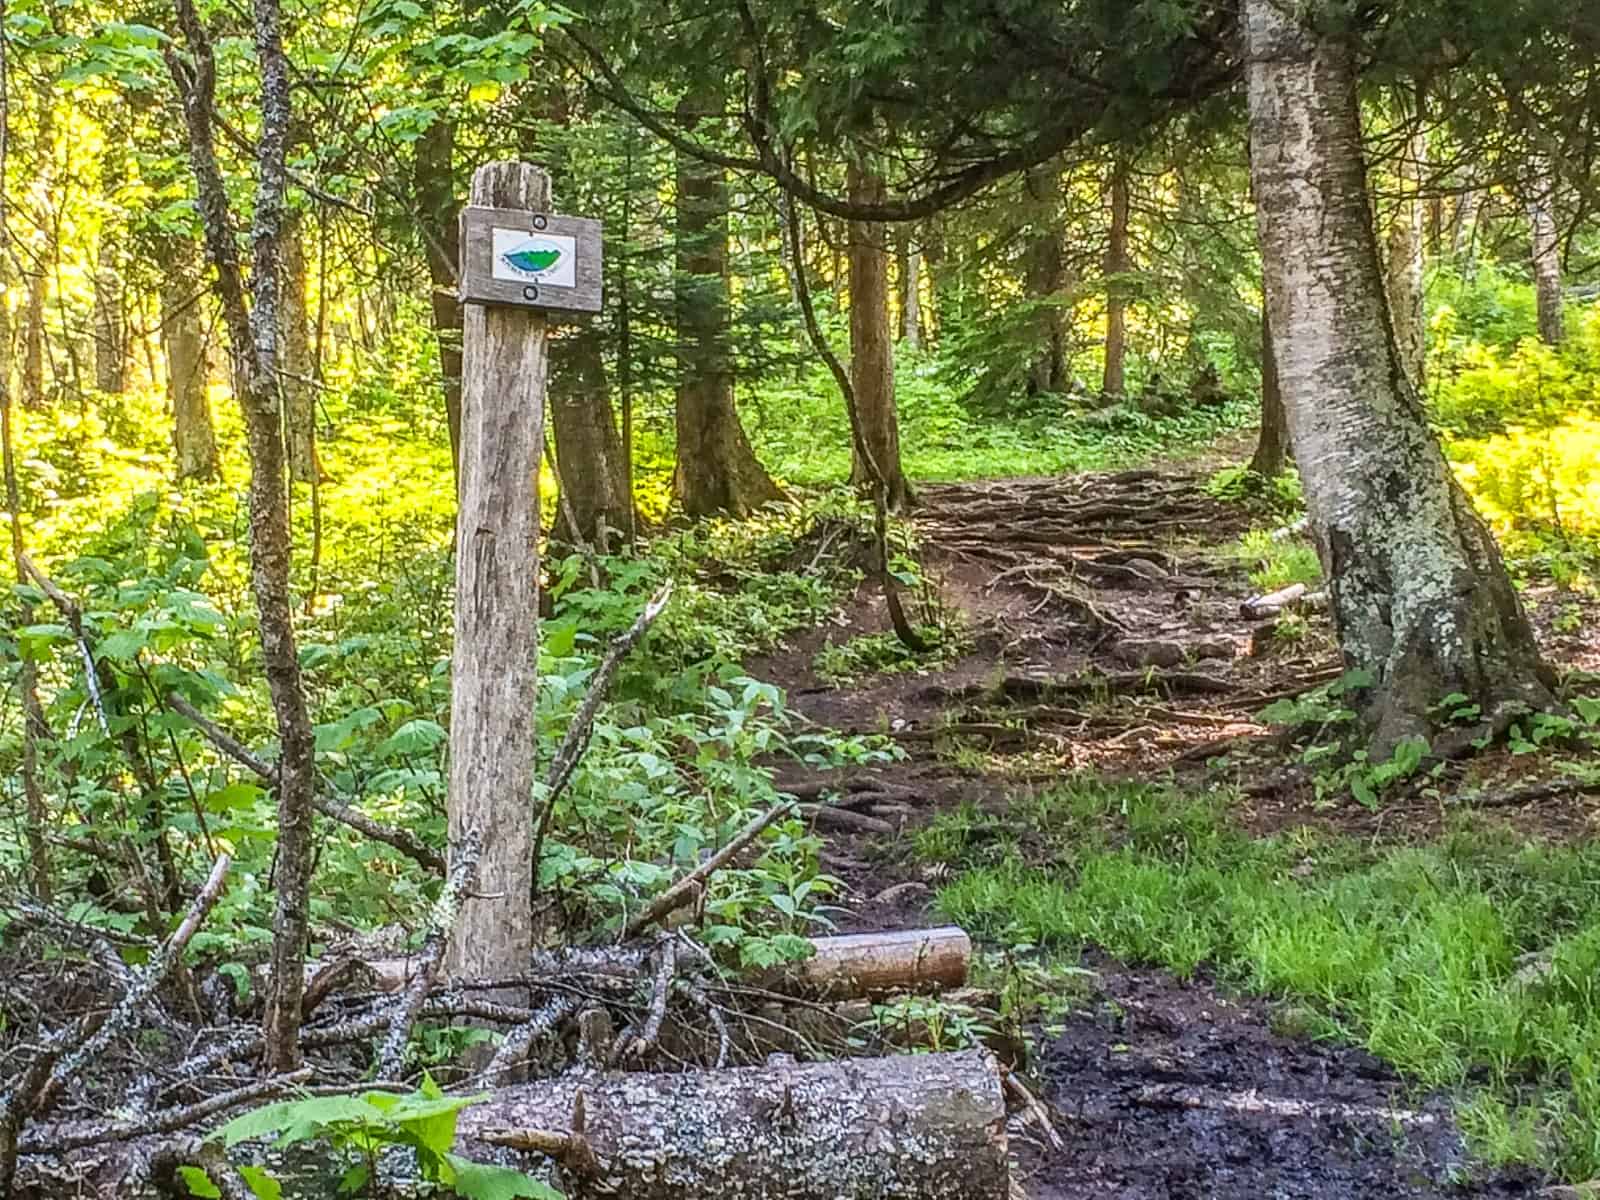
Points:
1114	382
1272	448
33	333
37	815
1404	276
1464	230
871	352
299	384
910	259
588	449
254	332
433	185
717	471
183	344
1044	277
110	327
1421	600
1546	252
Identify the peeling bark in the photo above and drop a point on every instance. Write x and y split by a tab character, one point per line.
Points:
871	353
919	1127
1420	597
717	471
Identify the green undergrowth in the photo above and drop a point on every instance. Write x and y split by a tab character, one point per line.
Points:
942	438
1470	963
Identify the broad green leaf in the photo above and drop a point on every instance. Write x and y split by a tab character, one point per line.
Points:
482	1181
262	1184
199	1183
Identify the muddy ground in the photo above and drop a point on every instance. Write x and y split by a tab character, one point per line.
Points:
1099	626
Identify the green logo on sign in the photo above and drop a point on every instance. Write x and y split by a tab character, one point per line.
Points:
534	258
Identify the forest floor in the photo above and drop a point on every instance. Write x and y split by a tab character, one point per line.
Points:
1094	625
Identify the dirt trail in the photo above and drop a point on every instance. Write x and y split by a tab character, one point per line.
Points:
1102	629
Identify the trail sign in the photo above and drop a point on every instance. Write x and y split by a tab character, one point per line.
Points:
529	260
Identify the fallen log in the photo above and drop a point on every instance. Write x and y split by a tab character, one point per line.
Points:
917	1127
875	964
845	967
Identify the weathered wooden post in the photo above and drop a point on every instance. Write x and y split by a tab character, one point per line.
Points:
518	261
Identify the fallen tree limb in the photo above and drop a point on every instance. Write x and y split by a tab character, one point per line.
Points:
917	1127
441	927
684	890
397	839
61	1137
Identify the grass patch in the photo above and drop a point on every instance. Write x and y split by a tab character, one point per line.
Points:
882	654
1471	964
1276	563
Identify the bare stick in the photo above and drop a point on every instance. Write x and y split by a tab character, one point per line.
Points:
582	724
398	839
666	968
441	925
515	1047
683	891
57	1139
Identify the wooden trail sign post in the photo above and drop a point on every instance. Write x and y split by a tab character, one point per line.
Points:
518	261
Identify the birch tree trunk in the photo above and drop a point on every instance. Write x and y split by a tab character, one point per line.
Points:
1406	263
299	390
717	471
1420	597
1546	252
871	350
194	440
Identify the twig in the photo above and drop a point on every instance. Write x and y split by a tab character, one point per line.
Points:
713	1012
1032	1103
666	968
1252	1102
398	839
681	892
582	723
441	926
515	1047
